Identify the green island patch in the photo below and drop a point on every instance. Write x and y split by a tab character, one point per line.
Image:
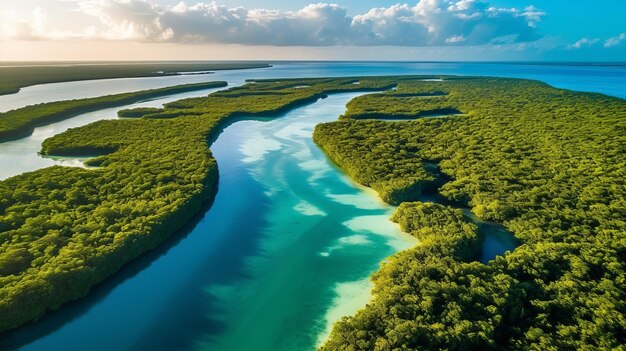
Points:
549	164
21	122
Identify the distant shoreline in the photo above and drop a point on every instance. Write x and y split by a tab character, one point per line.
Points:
14	78
6	64
269	63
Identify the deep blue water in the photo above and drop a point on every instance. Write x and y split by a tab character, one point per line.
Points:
286	247
610	80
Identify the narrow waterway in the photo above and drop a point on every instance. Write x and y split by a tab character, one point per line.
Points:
497	240
22	155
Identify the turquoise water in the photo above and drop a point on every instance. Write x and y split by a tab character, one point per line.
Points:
286	247
286	250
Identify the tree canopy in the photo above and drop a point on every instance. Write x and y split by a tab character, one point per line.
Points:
547	163
21	122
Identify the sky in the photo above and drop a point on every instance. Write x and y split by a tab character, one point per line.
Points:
419	30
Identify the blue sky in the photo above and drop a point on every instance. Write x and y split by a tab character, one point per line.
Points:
455	30
571	19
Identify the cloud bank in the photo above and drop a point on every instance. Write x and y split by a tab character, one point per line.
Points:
583	42
615	41
427	23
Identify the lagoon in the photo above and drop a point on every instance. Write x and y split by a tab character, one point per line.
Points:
276	281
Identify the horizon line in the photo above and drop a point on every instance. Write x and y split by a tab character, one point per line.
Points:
3	63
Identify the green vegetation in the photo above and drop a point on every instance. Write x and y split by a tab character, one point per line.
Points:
137	112
21	122
547	163
64	229
13	78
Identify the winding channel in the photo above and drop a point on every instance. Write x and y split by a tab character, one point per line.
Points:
285	250
21	155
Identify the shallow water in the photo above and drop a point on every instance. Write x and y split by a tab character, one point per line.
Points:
21	155
285	249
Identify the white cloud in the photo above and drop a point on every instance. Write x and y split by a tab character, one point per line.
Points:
455	39
533	15
35	26
615	41
13	27
583	42
427	23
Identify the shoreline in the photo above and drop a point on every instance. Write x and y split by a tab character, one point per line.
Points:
126	250
16	88
343	289
20	123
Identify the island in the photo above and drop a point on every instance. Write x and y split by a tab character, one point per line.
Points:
21	122
546	163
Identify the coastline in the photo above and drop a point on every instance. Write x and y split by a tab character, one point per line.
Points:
204	69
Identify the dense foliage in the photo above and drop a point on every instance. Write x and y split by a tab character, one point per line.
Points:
547	163
15	77
62	230
21	122
137	112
